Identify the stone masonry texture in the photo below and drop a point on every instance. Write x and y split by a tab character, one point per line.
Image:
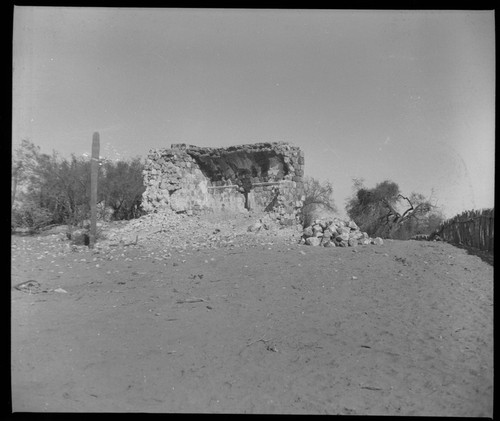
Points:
259	177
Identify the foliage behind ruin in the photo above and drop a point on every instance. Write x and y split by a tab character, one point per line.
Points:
386	212
318	195
49	189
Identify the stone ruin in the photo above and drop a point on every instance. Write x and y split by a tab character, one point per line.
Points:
258	177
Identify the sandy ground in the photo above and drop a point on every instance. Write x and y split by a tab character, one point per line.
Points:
405	328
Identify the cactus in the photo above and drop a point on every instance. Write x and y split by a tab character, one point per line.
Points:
94	168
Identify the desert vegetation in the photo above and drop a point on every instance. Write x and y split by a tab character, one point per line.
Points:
50	189
386	212
318	200
229	312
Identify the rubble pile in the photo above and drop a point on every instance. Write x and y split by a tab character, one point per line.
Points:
336	233
181	231
169	229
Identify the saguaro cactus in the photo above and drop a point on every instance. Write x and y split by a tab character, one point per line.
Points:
94	169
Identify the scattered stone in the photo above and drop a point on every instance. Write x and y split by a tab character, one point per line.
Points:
29	286
80	237
352	242
357	235
308	232
327	233
342	237
344	230
378	241
255	227
313	241
323	224
190	300
317	227
352	225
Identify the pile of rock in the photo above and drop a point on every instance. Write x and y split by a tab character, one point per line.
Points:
336	233
178	230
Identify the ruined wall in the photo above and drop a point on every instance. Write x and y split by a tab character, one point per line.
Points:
261	176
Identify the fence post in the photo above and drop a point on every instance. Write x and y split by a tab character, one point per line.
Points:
94	168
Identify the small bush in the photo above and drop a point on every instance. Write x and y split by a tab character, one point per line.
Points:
30	216
62	187
318	201
313	211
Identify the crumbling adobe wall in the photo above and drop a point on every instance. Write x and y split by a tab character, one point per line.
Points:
260	177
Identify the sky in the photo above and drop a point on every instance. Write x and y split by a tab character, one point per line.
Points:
405	95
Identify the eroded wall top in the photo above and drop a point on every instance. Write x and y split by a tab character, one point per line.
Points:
261	162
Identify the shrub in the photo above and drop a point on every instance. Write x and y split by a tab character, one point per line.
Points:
383	211
318	200
121	187
60	188
31	216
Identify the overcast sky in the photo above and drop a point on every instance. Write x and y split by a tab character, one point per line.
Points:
402	95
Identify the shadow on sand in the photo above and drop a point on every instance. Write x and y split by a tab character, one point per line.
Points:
485	256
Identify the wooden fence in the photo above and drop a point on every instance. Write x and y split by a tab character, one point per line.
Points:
471	228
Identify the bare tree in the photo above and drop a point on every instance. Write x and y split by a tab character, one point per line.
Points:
319	193
318	200
384	210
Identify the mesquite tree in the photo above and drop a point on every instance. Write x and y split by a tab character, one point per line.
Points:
317	192
384	211
121	187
